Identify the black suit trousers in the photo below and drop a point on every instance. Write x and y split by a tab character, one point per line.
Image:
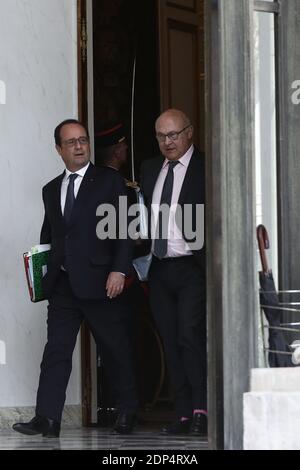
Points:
177	296
107	321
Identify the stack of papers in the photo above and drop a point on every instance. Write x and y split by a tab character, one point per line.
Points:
35	262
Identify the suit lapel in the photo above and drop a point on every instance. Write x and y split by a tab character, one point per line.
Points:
188	179
57	195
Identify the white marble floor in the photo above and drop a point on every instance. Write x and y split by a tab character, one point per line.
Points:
100	439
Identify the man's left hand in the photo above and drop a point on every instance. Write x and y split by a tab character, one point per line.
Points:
115	284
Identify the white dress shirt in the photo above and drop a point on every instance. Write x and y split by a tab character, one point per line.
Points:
65	184
177	246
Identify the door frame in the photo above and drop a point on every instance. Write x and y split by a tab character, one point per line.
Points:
86	381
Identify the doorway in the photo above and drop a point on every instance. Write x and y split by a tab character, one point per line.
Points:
125	73
145	59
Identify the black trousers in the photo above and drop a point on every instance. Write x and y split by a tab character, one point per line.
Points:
177	296
107	322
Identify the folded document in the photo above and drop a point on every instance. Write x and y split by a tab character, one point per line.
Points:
142	266
35	262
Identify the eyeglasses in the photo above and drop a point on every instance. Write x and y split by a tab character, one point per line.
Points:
73	142
171	135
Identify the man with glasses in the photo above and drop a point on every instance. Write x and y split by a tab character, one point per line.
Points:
176	179
84	280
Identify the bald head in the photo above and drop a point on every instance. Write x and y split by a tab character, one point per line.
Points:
174	115
174	133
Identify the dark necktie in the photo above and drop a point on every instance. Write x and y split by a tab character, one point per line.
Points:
161	240
70	198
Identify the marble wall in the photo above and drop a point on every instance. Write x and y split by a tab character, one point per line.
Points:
38	89
272	409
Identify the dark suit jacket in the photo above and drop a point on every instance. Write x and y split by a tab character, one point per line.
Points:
89	259
192	191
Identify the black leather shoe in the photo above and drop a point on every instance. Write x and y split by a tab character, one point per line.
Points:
199	425
178	427
39	425
125	423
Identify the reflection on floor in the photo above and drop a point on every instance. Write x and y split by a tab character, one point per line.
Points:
99	438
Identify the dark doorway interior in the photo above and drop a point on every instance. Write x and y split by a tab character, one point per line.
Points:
125	31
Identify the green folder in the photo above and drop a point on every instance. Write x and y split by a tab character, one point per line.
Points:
35	262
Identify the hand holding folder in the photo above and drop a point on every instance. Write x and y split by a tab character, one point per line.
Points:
35	262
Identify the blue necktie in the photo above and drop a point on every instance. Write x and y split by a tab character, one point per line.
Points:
160	243
70	198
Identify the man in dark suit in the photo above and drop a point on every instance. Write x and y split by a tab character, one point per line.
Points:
177	272
111	151
111	146
84	280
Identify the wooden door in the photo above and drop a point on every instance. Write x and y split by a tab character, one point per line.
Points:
181	57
